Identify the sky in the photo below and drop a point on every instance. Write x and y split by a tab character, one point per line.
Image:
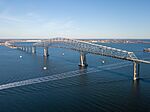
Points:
75	19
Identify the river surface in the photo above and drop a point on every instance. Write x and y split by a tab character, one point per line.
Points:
65	87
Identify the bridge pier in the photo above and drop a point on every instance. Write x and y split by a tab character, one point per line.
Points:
83	62
46	52
136	70
23	48
33	49
26	49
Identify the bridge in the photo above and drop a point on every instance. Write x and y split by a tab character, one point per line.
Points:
84	48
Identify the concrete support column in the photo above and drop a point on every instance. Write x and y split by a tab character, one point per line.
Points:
83	62
33	49
46	52
24	48
136	70
30	49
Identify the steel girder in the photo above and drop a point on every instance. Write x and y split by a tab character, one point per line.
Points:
87	47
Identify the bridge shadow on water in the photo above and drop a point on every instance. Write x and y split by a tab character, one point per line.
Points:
119	74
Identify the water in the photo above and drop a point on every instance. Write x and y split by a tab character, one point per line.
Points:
64	87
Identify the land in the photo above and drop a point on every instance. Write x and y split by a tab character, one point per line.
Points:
118	41
2	41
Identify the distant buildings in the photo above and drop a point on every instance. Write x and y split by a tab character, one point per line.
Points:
116	41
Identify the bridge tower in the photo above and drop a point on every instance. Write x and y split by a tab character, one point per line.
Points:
83	62
46	52
136	70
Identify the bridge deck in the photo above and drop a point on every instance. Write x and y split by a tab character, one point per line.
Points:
87	47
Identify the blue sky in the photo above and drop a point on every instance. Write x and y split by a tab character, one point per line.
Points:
75	18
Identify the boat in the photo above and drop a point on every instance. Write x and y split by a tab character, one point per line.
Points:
44	68
146	50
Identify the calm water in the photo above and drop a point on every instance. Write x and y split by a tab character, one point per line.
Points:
103	90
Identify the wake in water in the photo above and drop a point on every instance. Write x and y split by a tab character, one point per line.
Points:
63	75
